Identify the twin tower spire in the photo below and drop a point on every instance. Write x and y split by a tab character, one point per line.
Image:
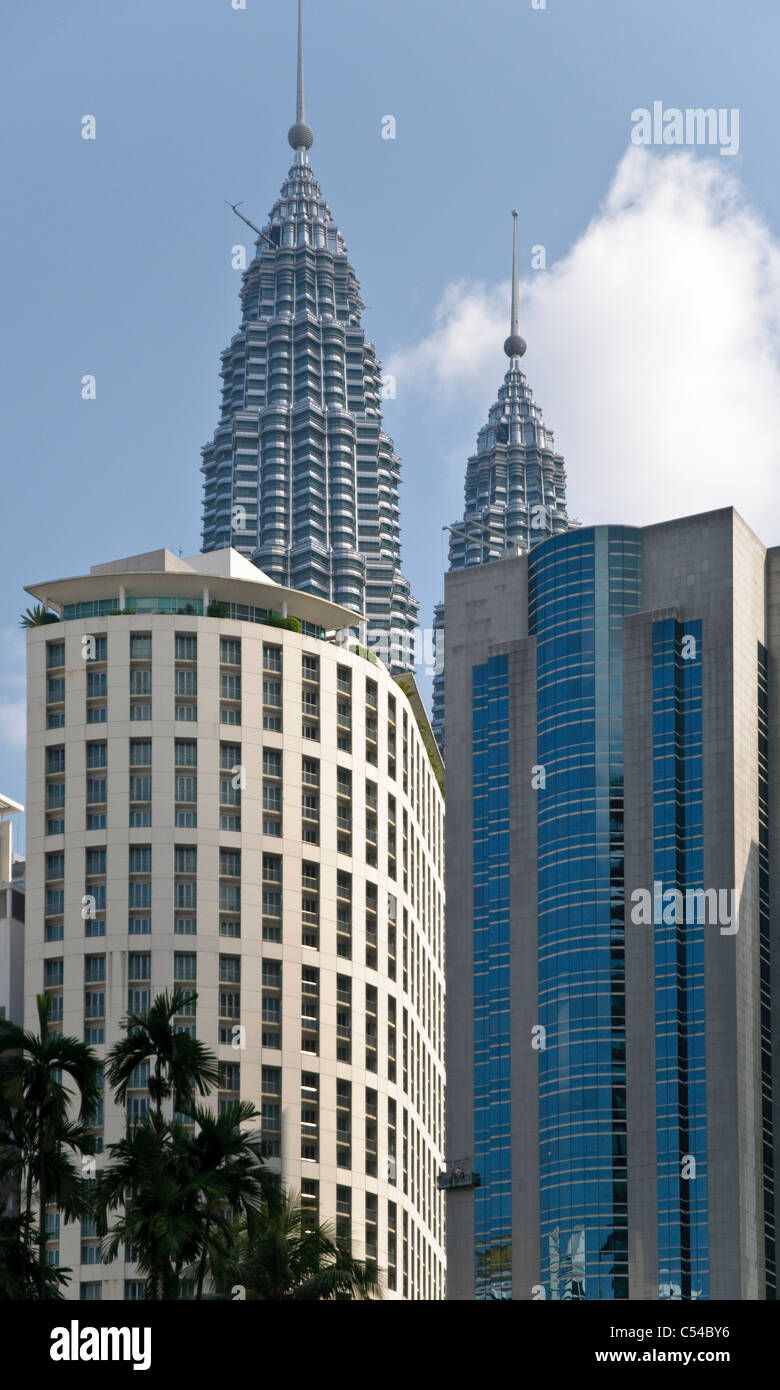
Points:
301	476
300	136
515	345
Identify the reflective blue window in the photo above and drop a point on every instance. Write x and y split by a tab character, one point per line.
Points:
681	1097
492	1054
581	586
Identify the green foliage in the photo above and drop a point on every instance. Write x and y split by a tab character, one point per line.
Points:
426	735
195	1201
38	1139
365	652
179	1065
233	1176
175	1196
153	1191
19	1274
38	616
281	1256
217	609
276	620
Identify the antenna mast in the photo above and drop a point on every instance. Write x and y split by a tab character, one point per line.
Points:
266	238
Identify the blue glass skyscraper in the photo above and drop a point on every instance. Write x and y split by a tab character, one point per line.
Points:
580	590
610	857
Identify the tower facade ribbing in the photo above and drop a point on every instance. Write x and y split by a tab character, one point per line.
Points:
301	476
515	492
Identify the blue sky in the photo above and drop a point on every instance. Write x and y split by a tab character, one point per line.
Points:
657	313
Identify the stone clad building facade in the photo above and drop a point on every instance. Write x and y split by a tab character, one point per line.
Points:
225	793
611	714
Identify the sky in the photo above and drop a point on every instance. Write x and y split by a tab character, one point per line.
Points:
652	314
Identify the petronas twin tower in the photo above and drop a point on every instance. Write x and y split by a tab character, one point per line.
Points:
515	491
301	476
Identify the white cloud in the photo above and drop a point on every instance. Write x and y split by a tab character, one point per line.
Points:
461	345
654	349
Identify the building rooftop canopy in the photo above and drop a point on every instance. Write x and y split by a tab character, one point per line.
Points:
223	575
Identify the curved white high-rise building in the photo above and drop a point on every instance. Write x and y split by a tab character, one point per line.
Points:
225	793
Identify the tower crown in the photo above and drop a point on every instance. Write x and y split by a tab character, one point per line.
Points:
515	493
300	477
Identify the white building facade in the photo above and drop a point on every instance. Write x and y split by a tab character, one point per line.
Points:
225	796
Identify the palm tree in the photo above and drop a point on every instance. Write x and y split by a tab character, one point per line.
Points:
235	1180
37	617
181	1064
35	1112
18	1240
282	1257
15	1138
178	1195
150	1180
19	1278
